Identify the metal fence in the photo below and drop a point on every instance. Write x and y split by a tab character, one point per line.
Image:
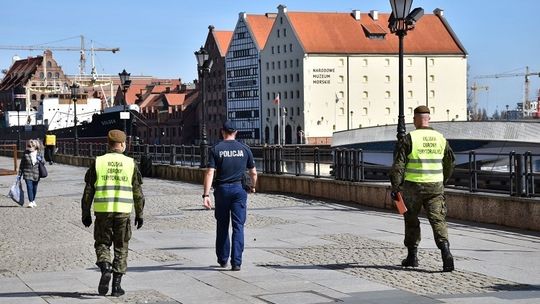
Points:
505	173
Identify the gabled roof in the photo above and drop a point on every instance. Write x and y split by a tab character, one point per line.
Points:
175	99
223	39
342	33
20	72
260	27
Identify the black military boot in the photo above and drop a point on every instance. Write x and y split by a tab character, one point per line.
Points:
106	271
447	258
411	260
116	288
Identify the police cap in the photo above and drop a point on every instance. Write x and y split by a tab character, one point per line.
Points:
228	126
116	136
421	110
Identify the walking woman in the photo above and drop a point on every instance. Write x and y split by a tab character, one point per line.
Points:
29	170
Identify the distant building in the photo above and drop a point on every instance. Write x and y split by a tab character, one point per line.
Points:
339	71
37	78
217	44
244	74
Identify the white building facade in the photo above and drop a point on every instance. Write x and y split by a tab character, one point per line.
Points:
328	84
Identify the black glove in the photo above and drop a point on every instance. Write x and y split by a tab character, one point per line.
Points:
394	196
139	222
87	220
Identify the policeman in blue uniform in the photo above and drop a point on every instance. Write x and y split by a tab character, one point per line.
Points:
229	159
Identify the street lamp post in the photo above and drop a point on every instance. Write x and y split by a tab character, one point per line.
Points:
125	83
74	95
399	23
204	65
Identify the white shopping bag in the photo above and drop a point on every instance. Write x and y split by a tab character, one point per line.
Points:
16	192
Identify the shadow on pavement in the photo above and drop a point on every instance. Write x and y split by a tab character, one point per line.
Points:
31	294
174	267
348	266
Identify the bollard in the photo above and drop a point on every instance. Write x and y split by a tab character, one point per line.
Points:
521	183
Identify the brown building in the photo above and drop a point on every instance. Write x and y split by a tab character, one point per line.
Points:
217	43
36	77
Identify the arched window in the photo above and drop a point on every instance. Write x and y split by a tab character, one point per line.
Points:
49	64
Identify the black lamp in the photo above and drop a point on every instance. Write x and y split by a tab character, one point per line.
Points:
204	65
74	95
399	23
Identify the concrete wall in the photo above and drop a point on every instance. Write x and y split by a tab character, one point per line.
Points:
502	210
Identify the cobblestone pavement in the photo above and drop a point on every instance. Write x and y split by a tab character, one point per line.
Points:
298	250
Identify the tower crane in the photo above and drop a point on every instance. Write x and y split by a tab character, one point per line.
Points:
82	49
526	102
474	103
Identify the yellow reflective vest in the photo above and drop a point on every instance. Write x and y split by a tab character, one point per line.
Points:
425	160
50	140
113	187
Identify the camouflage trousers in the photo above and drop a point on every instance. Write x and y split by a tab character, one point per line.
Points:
112	229
431	197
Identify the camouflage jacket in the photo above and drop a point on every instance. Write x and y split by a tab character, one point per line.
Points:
403	149
89	191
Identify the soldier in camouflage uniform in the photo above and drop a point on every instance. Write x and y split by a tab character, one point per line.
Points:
113	184
423	162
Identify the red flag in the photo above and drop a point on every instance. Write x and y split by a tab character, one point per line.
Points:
276	100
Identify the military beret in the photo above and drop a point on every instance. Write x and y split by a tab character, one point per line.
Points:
116	136
421	110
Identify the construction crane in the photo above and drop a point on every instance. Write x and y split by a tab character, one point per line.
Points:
526	102
473	107
82	49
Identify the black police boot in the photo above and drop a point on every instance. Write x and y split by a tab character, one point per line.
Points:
106	271
412	259
447	258
116	288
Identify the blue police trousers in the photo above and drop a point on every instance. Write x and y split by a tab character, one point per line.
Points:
231	204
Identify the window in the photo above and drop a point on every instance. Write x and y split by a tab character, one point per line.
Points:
291	78
432	110
298	111
387	94
409	78
341	79
364	79
432	78
297	77
365	62
49	75
241	53
365	95
267	66
286	95
297	62
341	62
42	75
279	79
365	111
278	33
272	50
273	65
297	94
387	110
387	62
273	79
284	64
290	47
279	65
274	111
432	62
387	78
285	77
267	80
268	96
57	75
284	32
409	62
409	94
278	49
432	95
49	64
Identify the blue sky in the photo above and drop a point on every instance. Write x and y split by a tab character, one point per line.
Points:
158	38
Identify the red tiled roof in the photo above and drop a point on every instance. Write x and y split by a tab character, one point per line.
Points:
341	33
260	26
223	39
174	99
